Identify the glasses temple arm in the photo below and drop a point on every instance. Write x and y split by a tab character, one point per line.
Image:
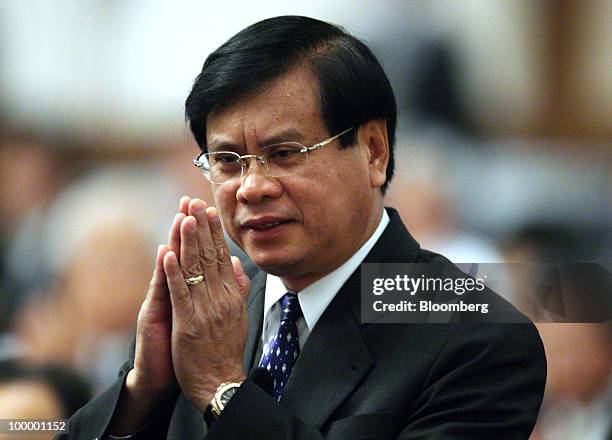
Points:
327	141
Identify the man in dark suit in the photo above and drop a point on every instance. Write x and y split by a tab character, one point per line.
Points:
296	122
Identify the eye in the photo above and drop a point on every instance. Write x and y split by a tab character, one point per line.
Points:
225	158
284	152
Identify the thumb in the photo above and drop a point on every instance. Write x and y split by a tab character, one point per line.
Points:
243	281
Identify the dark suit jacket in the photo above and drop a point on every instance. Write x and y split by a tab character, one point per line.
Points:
370	381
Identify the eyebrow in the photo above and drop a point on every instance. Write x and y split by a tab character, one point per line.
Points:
287	135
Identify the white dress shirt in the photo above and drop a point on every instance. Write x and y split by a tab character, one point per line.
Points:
315	298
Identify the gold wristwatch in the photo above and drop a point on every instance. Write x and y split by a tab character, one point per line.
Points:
224	393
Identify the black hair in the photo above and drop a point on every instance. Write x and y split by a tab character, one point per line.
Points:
353	88
71	389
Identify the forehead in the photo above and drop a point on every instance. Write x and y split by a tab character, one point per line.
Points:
289	102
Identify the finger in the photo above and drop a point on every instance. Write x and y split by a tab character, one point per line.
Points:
183	204
242	279
156	306
182	305
174	237
207	251
158	281
190	258
224	260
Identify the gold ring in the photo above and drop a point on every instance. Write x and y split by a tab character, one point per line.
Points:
194	280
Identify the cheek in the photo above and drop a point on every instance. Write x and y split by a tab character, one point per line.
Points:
225	202
340	201
339	188
323	208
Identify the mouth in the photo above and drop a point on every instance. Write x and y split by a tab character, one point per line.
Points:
265	227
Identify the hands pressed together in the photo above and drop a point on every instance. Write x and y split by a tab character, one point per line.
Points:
191	336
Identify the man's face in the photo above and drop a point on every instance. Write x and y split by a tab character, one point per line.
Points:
326	210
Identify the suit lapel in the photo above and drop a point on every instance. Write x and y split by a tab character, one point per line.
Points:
255	304
335	358
395	245
332	363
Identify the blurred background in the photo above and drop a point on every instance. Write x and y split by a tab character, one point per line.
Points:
504	154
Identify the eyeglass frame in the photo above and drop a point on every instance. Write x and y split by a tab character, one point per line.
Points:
244	163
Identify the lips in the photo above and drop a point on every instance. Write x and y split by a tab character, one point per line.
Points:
265	226
264	223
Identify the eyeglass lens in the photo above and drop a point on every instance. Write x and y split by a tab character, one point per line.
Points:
275	160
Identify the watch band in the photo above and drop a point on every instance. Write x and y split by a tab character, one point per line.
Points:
216	404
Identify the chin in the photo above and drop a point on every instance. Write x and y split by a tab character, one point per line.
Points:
276	262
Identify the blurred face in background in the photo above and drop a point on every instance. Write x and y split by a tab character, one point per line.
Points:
106	276
579	360
28	178
29	399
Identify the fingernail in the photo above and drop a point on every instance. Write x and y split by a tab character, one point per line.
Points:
191	223
198	207
213	215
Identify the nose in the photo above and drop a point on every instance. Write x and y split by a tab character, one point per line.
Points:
256	186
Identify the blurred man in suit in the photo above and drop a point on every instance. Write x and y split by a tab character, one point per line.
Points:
296	122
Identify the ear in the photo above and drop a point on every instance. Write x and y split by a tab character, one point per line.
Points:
373	134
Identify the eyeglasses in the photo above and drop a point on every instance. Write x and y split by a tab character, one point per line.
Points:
277	160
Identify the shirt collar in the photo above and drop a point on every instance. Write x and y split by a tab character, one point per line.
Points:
315	298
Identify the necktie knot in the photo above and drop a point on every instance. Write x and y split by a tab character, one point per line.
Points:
290	307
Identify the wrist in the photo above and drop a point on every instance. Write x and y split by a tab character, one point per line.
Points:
206	397
223	394
137	404
145	390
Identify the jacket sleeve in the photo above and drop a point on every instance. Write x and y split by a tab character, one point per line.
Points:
92	420
253	414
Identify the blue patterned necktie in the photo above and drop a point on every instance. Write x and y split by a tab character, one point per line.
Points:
281	352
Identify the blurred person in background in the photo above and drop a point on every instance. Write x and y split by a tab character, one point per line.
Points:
29	180
99	238
422	197
578	396
39	391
